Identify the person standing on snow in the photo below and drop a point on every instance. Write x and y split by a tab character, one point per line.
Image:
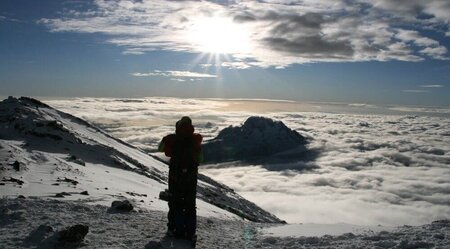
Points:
184	150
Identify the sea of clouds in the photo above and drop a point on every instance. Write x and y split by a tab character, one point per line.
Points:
388	169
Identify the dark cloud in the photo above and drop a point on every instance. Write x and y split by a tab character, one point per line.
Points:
311	46
244	17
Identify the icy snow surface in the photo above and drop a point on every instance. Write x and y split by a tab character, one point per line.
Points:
20	220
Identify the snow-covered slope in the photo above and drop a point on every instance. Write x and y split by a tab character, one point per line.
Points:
34	223
45	152
257	137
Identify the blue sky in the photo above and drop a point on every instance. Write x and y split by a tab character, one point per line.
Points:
380	51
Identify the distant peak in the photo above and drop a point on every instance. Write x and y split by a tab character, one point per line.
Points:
256	137
34	102
24	101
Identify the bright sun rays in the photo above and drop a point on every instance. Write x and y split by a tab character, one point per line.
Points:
218	38
218	35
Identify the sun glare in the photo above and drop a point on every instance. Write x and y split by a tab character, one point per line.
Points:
219	35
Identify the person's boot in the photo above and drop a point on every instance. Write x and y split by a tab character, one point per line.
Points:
193	240
170	233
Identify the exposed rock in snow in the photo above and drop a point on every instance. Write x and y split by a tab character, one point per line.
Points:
61	155
124	205
39	235
257	137
74	233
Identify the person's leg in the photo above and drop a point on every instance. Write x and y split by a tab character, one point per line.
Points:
172	206
171	218
190	210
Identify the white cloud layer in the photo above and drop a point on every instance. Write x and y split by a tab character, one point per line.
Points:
415	91
175	74
372	169
269	33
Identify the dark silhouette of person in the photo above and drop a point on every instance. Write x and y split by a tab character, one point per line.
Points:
184	150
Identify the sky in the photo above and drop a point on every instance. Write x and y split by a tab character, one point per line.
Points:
354	51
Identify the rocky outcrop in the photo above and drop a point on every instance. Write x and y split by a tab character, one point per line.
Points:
256	137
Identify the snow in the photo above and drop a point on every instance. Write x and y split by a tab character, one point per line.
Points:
22	222
311	229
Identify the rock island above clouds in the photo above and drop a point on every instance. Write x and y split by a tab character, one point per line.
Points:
258	138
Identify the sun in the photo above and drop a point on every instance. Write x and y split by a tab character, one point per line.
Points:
218	35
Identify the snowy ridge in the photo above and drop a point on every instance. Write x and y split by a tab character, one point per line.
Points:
45	152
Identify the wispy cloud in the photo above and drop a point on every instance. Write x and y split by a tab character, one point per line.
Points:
181	74
415	91
279	33
432	86
9	19
236	65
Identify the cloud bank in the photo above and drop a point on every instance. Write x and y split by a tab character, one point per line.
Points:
180	76
372	169
269	33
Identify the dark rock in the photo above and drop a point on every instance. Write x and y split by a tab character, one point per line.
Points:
39	235
124	205
164	195
385	244
21	197
154	245
12	179
45	135
77	160
16	165
439	236
68	180
257	137
346	236
62	194
84	193
74	233
404	244
136	194
364	124
438	224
